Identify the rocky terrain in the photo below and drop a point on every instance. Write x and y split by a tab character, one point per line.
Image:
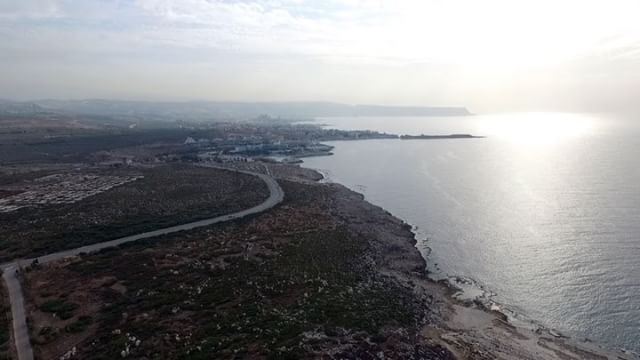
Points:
303	280
323	275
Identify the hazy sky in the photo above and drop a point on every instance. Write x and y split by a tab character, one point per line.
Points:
489	55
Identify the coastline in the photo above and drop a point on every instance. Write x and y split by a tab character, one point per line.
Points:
323	274
470	328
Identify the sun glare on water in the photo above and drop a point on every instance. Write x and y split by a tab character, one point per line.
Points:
538	129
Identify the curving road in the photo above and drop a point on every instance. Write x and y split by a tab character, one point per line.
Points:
10	270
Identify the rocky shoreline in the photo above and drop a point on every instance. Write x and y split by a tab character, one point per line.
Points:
467	329
323	275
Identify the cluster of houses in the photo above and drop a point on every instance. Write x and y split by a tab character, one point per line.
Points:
60	189
241	149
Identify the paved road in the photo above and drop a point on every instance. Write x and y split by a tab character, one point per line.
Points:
20	329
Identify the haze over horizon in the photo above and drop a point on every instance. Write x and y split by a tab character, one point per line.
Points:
494	55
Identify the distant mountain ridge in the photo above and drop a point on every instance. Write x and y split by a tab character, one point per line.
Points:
212	110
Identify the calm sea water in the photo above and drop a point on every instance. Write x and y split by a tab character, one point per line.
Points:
543	214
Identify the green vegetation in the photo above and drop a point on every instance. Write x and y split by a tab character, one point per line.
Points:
32	147
274	286
316	284
59	307
79	325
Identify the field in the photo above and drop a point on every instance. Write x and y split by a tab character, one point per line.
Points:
295	282
146	199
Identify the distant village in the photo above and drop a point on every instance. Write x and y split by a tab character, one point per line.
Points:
263	139
285	143
240	148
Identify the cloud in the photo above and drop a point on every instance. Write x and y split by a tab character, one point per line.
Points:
486	33
466	47
29	9
491	32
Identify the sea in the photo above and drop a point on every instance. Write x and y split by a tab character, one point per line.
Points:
541	217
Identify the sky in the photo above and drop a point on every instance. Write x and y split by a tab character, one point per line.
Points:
487	55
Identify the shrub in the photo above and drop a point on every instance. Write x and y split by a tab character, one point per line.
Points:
64	310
